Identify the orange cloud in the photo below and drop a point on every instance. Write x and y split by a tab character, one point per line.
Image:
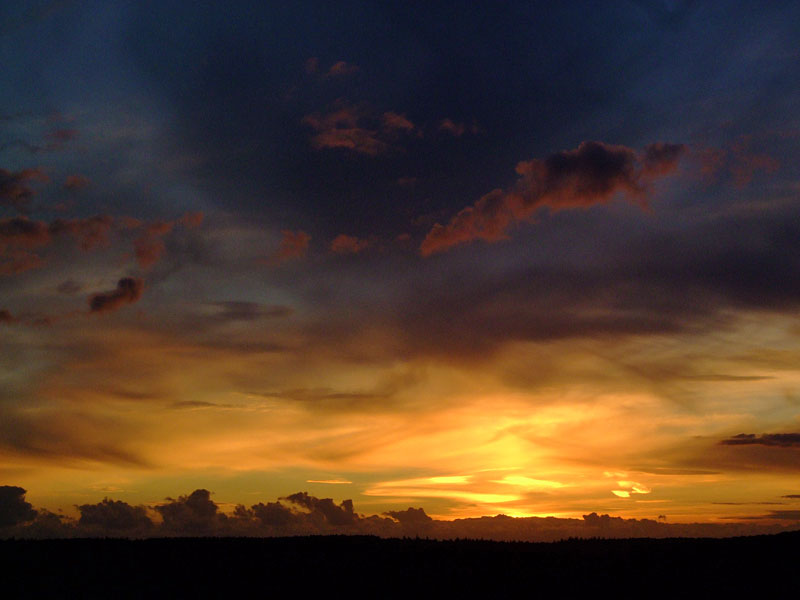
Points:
392	120
341	129
591	174
294	244
340	69
348	244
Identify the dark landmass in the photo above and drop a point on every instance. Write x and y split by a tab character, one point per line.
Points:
366	566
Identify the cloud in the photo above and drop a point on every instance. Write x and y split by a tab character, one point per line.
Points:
22	232
90	232
591	174
13	507
738	161
61	136
342	514
341	128
115	517
294	244
273	514
6	318
312	65
192	220
128	291
15	190
69	287
782	440
394	121
410	516
149	247
338	69
230	310
73	183
195	514
457	129
348	244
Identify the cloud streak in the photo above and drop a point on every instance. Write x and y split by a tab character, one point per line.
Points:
591	174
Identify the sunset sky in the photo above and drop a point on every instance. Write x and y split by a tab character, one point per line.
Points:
528	258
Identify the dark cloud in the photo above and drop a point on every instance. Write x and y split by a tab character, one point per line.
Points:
15	189
69	287
13	507
195	514
6	318
326	509
591	174
23	232
793	496
115	517
782	440
410	516
273	514
128	291
247	311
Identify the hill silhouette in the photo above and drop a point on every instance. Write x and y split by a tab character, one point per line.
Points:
367	566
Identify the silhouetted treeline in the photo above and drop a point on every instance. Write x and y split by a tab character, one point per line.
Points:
361	566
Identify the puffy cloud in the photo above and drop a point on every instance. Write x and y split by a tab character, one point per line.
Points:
273	514
113	516
195	514
410	516
348	244
294	244
591	174
332	514
128	291
15	190
782	440
13	507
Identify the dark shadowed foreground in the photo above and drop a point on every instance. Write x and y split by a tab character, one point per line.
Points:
363	566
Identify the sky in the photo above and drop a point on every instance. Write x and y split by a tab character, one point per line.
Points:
516	258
